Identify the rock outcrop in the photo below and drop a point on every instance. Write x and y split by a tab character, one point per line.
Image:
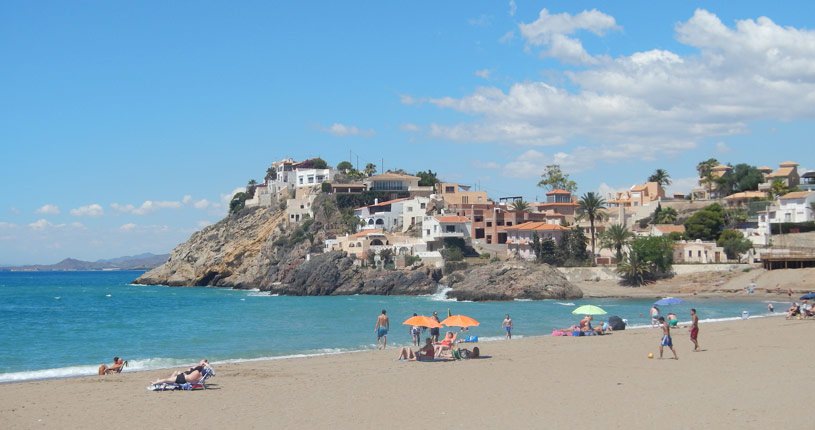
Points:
257	248
510	280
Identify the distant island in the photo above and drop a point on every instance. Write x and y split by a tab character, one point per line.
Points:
144	261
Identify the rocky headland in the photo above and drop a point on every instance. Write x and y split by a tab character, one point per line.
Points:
256	248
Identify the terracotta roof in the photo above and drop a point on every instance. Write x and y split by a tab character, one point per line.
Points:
557	191
781	173
796	195
538	226
669	228
721	167
789	164
747	195
639	187
765	169
451	218
555	204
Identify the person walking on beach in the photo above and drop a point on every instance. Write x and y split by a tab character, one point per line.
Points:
507	324
381	329
666	338
434	331
694	329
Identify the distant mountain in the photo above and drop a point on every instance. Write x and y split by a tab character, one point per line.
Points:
134	262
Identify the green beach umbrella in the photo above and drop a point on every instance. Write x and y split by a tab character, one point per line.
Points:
589	310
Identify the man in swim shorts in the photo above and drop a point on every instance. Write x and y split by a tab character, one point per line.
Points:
381	329
666	337
694	329
434	332
507	324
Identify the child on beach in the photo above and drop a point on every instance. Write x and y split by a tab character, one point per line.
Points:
666	337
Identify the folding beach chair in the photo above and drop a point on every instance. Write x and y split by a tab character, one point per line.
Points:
201	384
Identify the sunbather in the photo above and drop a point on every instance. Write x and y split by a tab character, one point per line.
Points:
192	375
117	366
446	344
467	354
427	352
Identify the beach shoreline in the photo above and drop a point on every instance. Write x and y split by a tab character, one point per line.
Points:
520	382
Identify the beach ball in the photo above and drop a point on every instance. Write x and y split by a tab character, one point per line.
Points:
650	355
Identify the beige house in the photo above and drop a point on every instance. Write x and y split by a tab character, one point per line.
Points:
638	195
455	194
698	252
521	237
391	182
666	229
744	197
787	173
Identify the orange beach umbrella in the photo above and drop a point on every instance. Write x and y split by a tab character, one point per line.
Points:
460	321
422	321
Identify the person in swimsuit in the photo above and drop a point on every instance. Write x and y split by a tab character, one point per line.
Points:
117	366
694	329
434	332
427	352
191	375
666	338
654	316
381	329
673	320
507	324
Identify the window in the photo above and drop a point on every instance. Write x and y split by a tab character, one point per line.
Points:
427	232
449	189
465	200
489	223
699	253
509	223
422	205
410	208
450	228
690	254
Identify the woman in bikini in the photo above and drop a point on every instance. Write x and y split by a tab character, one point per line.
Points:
192	375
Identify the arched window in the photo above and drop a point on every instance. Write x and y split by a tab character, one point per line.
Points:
380	221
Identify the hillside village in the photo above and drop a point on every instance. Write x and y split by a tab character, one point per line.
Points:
402	219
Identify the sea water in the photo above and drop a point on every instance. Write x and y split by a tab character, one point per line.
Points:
62	324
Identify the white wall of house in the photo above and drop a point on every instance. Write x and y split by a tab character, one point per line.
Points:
298	208
311	177
794	210
698	252
413	211
433	229
389	220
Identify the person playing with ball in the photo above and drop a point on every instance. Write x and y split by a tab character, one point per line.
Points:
666	338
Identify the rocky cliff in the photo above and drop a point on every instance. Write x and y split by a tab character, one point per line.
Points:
510	280
256	248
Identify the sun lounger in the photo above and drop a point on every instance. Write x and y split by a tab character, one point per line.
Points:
201	384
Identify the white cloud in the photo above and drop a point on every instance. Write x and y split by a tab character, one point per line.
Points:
48	209
481	21
40	224
412	128
7	225
722	148
507	37
553	32
226	198
649	104
128	227
683	185
202	204
78	226
483	73
512	7
92	210
343	130
186	199
147	207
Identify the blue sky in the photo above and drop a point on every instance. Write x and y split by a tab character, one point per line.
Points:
124	126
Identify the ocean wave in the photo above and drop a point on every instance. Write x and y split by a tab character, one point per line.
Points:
90	370
440	295
564	304
522	300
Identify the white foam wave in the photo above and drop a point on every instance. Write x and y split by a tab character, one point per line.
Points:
260	294
565	304
90	370
440	295
523	300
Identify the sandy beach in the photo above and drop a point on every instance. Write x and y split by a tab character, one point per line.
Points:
748	375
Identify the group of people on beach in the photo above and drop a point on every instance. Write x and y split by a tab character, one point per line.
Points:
665	325
802	310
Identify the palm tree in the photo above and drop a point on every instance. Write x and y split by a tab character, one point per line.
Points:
661	177
591	206
271	174
633	269
615	237
666	216
520	206
370	169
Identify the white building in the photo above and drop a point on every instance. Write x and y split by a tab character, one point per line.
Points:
437	228
698	252
385	215
310	177
413	211
299	207
794	207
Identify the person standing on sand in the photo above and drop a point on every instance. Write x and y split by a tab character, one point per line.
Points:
381	329
434	331
654	316
666	338
694	329
507	324
416	333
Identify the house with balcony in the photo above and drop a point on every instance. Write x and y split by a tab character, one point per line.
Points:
309	177
744	198
385	215
413	212
489	221
794	207
521	237
436	228
391	182
560	202
708	188
359	243
807	181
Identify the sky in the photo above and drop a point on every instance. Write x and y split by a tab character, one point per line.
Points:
127	126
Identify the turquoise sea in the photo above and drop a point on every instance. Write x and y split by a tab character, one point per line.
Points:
62	324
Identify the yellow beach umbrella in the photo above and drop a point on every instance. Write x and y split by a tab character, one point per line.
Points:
589	310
